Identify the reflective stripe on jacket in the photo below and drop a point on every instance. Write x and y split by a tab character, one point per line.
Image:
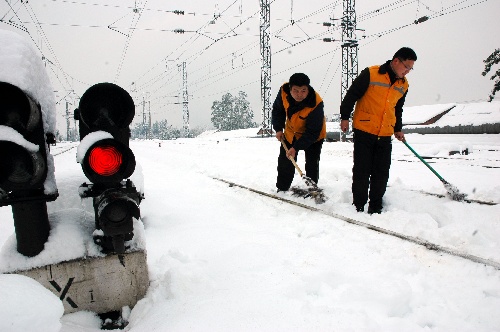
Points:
375	111
296	125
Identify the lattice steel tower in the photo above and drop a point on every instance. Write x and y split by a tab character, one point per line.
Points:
349	46
265	69
185	103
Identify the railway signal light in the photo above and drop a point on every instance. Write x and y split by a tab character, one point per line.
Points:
24	167
108	161
104	113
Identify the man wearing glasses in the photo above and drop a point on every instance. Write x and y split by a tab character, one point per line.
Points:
379	93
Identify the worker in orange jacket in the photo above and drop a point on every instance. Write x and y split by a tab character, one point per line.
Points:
379	93
298	117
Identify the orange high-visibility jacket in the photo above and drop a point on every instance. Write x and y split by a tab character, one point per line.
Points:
296	125
375	111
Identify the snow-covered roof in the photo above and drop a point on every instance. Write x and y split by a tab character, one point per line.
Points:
472	114
332	126
420	114
460	114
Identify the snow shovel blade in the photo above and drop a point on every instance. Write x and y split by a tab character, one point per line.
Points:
312	188
453	191
317	195
312	191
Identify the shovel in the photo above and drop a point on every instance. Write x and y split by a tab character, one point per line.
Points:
312	188
453	191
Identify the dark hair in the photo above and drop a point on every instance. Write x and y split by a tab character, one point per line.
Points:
299	79
405	53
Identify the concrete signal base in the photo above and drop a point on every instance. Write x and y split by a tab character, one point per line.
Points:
97	284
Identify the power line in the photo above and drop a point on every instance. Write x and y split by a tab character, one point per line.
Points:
171	53
441	13
127	42
192	44
39	29
221	76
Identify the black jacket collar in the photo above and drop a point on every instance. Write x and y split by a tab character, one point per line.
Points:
386	69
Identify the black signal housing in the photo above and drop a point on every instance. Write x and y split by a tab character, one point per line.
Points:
23	170
24	167
108	163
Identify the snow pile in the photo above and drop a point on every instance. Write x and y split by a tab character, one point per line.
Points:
28	306
21	66
222	258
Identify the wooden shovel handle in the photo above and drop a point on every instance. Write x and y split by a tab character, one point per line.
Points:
291	159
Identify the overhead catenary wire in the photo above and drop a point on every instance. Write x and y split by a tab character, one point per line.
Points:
95	4
213	79
65	83
441	13
171	54
33	15
221	76
156	83
291	44
14	12
289	24
100	4
127	42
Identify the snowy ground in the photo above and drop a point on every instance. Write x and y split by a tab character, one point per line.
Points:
222	258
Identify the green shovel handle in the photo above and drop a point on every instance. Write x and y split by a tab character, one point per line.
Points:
425	163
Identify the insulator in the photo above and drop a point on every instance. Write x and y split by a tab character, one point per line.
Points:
422	19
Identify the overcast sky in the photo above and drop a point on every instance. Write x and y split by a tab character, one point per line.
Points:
135	45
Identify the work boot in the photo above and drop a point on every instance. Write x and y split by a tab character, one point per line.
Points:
359	208
372	210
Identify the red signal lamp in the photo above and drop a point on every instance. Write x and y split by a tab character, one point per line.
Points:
108	160
105	160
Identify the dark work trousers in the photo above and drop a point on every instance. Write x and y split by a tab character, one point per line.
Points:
372	161
286	170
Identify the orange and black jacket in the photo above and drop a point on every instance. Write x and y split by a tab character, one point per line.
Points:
379	97
302	123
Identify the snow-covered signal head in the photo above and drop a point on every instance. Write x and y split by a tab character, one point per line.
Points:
104	113
23	169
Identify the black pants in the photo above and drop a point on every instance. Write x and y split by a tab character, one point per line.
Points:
372	161
286	170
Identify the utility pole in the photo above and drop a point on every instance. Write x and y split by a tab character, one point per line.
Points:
144	117
265	69
67	122
349	47
185	103
149	124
